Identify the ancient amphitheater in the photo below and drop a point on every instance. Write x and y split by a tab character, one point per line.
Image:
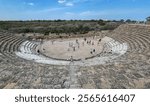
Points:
121	59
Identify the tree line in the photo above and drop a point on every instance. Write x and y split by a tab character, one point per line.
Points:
62	26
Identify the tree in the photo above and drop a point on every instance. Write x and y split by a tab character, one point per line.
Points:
101	22
148	18
128	21
122	20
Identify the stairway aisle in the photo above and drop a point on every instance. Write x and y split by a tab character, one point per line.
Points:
73	76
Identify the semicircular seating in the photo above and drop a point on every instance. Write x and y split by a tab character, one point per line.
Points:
137	36
9	44
16	72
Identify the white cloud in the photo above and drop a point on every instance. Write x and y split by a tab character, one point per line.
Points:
69	4
61	1
69	13
85	13
31	4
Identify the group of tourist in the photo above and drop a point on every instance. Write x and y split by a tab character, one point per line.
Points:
73	46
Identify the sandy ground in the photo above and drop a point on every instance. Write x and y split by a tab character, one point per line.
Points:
75	48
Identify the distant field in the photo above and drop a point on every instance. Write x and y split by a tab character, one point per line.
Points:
58	26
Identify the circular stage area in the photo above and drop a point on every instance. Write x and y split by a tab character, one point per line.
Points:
72	49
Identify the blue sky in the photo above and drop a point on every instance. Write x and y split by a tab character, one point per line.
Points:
74	9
